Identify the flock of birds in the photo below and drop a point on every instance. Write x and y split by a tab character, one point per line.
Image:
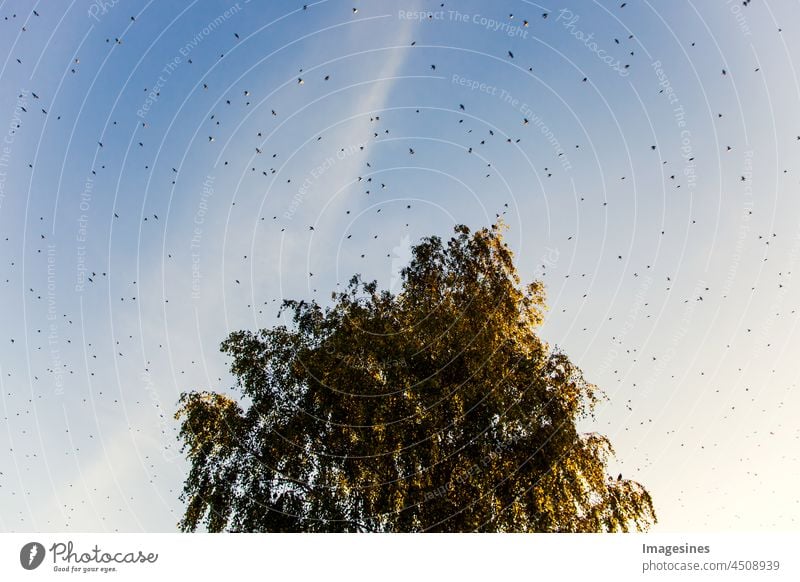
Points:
27	390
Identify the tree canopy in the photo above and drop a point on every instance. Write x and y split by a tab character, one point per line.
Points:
436	408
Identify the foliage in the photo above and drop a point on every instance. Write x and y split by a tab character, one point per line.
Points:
434	409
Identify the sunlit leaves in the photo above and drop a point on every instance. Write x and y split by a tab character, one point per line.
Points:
434	409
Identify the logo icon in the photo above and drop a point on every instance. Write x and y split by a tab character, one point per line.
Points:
31	555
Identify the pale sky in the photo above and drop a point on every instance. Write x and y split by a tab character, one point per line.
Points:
645	158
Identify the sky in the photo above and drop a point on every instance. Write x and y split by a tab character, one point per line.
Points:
171	171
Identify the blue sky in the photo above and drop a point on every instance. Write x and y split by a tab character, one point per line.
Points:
627	237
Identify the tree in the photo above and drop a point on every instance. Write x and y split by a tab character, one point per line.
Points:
434	409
